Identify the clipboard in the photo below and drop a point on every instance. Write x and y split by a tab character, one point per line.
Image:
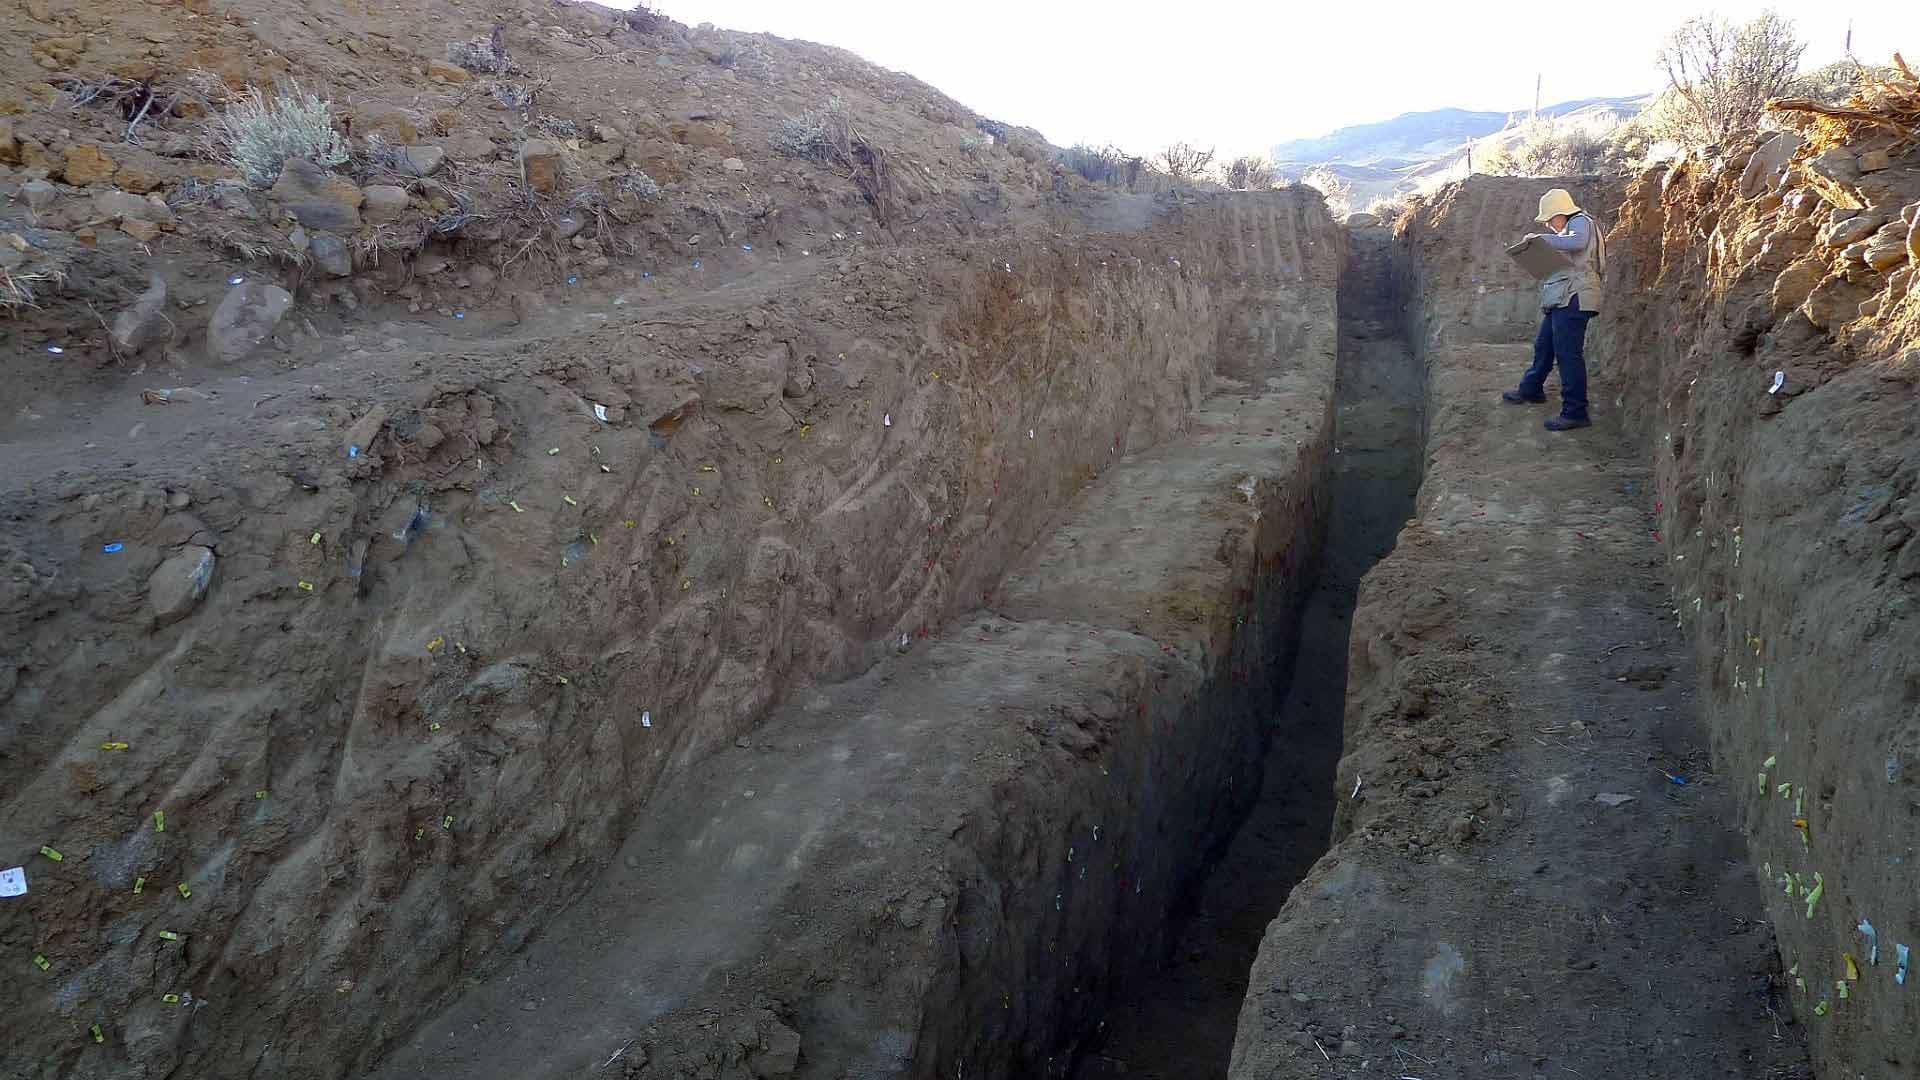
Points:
1539	260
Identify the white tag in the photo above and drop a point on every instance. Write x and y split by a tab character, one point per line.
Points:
646	719
600	412
1779	380
887	420
13	882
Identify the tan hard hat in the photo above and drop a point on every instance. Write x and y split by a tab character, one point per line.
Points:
1554	203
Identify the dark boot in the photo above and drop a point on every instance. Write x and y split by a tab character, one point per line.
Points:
1515	397
1567	423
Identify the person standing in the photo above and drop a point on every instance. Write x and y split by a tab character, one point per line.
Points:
1568	300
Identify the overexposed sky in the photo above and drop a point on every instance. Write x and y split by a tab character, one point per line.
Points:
1242	76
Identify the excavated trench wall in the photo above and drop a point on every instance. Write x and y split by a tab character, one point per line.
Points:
426	687
1789	517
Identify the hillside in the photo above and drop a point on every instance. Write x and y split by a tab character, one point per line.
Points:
1416	137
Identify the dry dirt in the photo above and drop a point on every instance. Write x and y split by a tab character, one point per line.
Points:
477	587
833	617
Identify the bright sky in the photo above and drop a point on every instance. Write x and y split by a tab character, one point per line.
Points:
1244	75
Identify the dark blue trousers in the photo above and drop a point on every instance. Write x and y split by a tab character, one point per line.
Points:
1562	337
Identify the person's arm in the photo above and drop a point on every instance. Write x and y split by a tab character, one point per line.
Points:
1579	233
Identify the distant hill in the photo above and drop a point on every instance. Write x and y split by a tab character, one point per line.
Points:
1418	150
1418	137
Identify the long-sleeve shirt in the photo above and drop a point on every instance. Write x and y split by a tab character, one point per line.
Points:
1582	279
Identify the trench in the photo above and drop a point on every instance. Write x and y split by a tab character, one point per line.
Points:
1177	1018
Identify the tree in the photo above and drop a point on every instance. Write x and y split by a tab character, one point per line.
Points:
1722	74
1250	172
1186	162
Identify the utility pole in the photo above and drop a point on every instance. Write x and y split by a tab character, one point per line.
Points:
1536	98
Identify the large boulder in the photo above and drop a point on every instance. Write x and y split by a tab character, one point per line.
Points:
422	160
140	323
245	318
330	254
317	198
384	203
88	164
540	166
1763	168
121	206
1852	230
1887	248
177	586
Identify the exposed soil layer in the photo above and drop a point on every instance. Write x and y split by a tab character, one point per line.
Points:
1177	1019
363	650
946	865
1517	887
1787	518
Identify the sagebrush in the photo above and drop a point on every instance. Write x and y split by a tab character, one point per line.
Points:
1249	172
1103	164
257	133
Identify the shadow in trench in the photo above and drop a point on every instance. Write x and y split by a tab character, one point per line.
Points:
1178	1023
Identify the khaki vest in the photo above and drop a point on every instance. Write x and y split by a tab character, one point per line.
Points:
1585	278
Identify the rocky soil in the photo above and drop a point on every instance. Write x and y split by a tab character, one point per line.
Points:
1767	350
390	546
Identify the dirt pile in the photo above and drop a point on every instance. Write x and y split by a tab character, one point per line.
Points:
382	543
1767	345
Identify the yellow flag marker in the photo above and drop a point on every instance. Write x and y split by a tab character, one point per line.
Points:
552	451
436	643
696	491
516	506
171	999
706	468
41	962
51	853
168	935
629	523
1813	898
420	833
159	821
435	726
260	793
1853	969
568	499
113	746
314	539
139	885
687	584
98	1035
447	822
185	893
306	586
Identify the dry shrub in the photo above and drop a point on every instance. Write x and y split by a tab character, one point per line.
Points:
832	137
1103	164
256	133
1885	101
1723	74
1186	162
1249	172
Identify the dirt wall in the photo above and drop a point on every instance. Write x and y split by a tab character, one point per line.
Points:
395	663
1787	517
